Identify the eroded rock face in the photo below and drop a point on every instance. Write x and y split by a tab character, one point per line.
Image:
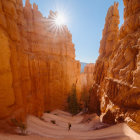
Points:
117	70
87	76
37	63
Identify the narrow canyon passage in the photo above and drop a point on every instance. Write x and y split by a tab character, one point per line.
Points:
39	73
83	127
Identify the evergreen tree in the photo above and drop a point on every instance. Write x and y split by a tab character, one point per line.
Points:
85	98
73	106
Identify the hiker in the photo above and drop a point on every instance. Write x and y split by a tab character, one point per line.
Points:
69	126
89	119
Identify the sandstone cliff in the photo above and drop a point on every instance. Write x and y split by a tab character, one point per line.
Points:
117	70
86	79
37	63
87	76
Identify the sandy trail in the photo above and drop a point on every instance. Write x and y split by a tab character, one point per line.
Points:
39	129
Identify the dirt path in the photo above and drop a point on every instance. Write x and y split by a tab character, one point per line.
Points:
82	129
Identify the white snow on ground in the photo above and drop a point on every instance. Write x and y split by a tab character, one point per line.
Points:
82	129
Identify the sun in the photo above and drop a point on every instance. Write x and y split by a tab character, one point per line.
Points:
57	22
60	20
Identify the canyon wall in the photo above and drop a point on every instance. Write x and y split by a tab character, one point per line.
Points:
116	83
37	61
86	79
87	76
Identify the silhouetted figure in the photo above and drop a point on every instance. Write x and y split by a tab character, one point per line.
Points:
69	126
88	120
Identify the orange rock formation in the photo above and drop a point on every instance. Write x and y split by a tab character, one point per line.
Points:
87	76
117	70
37	63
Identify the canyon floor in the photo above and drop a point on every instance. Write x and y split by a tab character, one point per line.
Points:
84	127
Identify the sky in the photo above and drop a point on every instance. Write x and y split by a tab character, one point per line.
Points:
85	20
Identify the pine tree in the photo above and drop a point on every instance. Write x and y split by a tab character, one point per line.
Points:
73	106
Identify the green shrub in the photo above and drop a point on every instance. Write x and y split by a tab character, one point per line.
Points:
48	111
20	125
53	122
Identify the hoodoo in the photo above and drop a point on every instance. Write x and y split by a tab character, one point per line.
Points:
117	69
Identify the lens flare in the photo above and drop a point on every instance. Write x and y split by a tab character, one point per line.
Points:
60	20
57	22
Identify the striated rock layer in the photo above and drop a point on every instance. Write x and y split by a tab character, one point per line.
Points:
117	70
37	62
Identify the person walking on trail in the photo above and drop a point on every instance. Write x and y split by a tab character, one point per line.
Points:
69	126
